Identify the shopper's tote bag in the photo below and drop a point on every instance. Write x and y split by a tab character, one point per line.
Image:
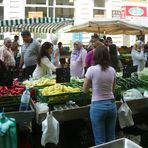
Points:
50	129
125	115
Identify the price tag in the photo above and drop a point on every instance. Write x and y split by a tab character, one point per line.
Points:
128	70
62	75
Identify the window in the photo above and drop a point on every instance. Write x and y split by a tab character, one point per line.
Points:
99	3
41	2
1	36
1	12
50	2
64	12
31	12
98	12
64	2
50	13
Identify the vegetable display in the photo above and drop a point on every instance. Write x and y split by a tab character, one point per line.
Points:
15	89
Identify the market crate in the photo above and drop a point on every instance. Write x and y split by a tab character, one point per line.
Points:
58	98
10	103
61	97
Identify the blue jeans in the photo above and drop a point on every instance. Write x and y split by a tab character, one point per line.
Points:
103	115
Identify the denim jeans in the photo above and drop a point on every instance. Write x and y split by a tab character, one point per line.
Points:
103	115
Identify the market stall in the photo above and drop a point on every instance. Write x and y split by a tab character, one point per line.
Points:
67	101
40	24
108	26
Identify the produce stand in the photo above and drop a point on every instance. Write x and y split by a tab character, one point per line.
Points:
79	111
10	100
137	106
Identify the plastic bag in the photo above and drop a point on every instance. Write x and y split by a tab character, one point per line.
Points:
50	128
132	94
125	115
145	94
8	132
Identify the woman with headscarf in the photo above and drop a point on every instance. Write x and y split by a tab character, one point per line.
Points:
138	56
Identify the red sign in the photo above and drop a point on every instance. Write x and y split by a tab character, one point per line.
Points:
133	11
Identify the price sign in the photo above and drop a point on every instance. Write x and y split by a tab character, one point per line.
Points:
62	75
128	70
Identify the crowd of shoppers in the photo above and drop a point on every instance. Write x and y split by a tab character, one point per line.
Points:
97	65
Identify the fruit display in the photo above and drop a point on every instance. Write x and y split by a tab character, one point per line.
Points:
40	82
58	89
59	93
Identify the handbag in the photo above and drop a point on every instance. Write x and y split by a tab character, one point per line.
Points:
8	132
125	115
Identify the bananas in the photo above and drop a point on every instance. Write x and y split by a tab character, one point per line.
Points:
40	82
58	89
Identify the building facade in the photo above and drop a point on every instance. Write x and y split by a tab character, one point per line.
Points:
80	10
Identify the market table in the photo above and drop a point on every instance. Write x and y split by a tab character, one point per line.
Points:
78	112
22	116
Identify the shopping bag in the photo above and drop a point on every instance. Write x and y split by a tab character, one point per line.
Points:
125	115
50	129
8	132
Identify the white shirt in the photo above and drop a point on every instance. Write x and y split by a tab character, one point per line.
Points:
7	56
45	68
139	59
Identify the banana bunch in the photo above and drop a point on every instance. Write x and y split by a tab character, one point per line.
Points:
40	82
58	89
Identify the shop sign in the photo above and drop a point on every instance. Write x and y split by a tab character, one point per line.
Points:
116	14
134	11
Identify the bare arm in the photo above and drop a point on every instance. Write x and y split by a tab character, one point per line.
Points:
114	83
86	85
21	62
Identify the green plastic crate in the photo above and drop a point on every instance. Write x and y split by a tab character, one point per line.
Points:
10	103
58	98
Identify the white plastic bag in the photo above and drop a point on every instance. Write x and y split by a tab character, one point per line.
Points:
41	107
125	115
145	94
132	94
50	128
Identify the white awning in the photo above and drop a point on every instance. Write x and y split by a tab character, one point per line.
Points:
40	25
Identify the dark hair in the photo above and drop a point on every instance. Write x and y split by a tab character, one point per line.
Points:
44	51
16	36
60	43
109	38
25	33
96	36
101	57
